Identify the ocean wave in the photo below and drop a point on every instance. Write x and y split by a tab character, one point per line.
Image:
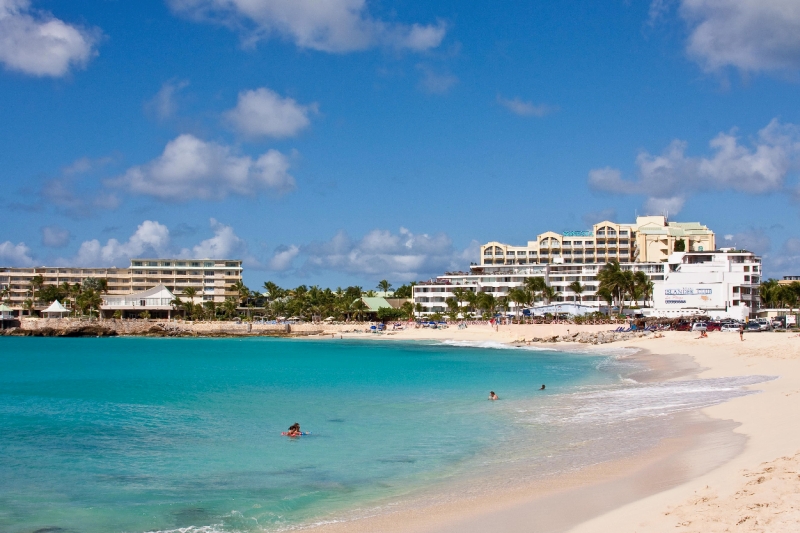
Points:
492	345
633	400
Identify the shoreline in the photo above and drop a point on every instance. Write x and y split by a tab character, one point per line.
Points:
720	495
561	501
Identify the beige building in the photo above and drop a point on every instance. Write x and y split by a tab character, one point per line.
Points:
650	239
211	278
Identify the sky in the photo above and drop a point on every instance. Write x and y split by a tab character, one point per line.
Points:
343	142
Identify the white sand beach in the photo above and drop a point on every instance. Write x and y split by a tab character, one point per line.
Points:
735	466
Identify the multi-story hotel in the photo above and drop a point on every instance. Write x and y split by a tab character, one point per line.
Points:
563	258
211	278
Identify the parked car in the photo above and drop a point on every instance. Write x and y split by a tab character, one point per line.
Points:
699	326
714	326
753	326
729	326
683	326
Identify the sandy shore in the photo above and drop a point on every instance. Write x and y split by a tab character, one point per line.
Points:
734	467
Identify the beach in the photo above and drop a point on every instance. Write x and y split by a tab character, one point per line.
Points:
733	467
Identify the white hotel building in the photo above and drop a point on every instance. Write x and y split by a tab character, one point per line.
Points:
562	258
211	278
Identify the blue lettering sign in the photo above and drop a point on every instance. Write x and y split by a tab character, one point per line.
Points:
578	234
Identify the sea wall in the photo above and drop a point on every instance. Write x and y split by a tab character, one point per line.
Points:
73	327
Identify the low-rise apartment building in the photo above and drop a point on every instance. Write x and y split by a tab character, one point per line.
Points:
211	278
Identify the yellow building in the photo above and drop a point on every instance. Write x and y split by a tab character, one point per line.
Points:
650	240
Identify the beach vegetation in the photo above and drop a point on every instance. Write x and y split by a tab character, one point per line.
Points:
404	291
680	245
387	314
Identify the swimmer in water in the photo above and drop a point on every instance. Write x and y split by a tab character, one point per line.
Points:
493	396
542	387
294	430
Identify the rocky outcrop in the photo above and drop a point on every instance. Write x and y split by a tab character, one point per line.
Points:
89	330
598	337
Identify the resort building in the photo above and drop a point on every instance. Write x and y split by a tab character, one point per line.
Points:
720	284
563	258
788	280
650	239
210	278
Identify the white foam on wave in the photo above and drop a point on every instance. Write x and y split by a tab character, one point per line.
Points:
214	528
633	400
492	345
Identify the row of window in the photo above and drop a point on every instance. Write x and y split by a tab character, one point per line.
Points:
488	251
180	263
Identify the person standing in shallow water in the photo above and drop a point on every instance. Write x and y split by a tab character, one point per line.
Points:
493	396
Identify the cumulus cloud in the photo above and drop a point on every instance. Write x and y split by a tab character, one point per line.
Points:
435	82
263	113
525	109
283	258
164	105
786	260
60	194
756	240
36	43
150	237
15	255
225	244
378	254
593	217
751	35
54	236
331	26
667	179
190	168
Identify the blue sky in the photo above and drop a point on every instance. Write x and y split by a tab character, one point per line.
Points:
346	141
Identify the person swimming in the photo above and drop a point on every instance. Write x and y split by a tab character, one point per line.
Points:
542	387
294	430
493	396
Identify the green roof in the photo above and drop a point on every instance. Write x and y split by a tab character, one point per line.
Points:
375	302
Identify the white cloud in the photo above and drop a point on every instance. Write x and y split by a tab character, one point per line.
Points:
60	194
525	109
283	258
667	179
262	112
756	240
752	35
329	26
150	237
54	236
15	255
36	43
786	262
225	244
434	82
190	168
163	104
379	254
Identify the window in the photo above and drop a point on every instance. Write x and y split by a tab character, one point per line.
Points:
207	264
231	264
623	233
487	251
511	253
181	263
181	273
755	269
152	272
209	272
140	272
152	263
137	263
166	264
735	290
195	264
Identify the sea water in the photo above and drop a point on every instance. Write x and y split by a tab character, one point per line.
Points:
138	435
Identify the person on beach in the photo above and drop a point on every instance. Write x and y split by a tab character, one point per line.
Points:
741	333
294	430
703	335
542	387
493	396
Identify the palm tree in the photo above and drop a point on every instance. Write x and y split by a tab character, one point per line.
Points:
36	284
549	293
535	285
487	302
418	308
612	278
229	306
519	296
605	294
358	306
408	309
578	289
384	285
191	293
242	291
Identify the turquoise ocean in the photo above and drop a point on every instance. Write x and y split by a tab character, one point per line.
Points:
141	435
